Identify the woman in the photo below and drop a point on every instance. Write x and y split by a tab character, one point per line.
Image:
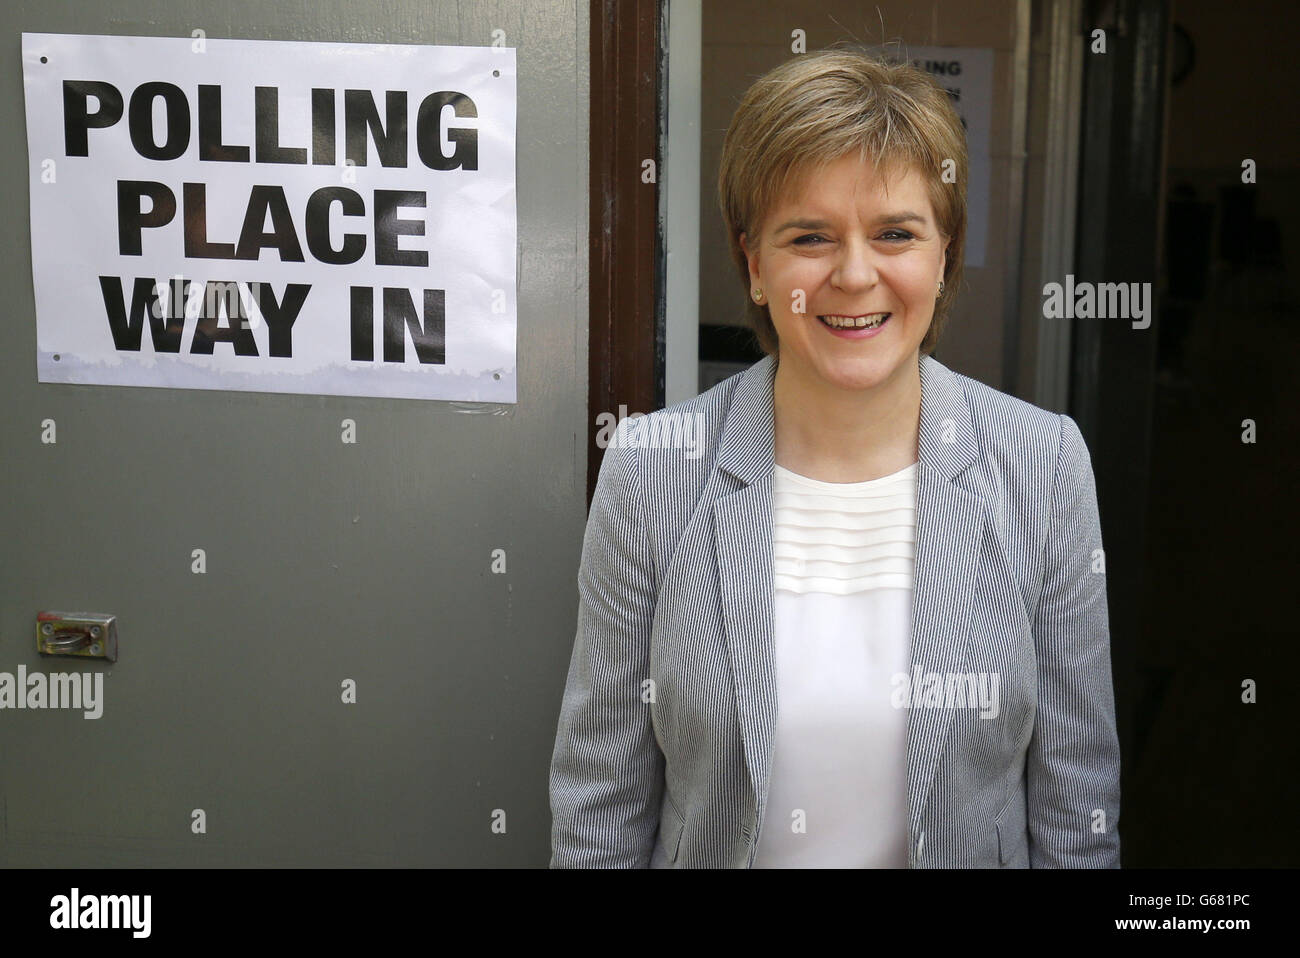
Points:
862	621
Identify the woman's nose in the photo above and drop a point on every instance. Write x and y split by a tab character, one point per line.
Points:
855	266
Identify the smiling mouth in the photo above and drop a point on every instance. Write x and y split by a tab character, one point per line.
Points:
866	321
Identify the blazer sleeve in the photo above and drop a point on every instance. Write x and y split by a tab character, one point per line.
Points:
1073	762
607	771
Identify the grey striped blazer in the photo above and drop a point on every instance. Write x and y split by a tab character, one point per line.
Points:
664	743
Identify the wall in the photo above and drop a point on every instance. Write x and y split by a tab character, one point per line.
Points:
1236	105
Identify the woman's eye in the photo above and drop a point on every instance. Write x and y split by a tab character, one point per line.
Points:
816	239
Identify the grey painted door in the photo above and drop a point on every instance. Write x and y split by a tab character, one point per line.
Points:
325	561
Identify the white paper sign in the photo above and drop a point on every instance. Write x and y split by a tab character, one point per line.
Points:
266	216
967	74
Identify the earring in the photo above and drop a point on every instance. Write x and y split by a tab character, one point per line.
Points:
758	295
940	287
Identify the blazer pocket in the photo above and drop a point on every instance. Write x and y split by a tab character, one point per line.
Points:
673	834
1010	826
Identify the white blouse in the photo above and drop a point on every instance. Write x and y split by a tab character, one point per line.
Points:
844	555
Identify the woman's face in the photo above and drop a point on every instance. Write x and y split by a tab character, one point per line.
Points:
842	246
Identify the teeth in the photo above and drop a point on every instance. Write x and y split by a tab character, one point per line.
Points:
848	322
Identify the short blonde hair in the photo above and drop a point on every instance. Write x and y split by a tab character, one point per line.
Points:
820	107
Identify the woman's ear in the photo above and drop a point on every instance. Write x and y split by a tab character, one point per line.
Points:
752	257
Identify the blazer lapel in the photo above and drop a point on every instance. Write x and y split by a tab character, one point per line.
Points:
949	530
742	529
949	537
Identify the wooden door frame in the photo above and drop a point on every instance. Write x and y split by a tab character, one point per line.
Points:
626	339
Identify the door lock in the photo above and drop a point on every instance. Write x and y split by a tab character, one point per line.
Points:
85	634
